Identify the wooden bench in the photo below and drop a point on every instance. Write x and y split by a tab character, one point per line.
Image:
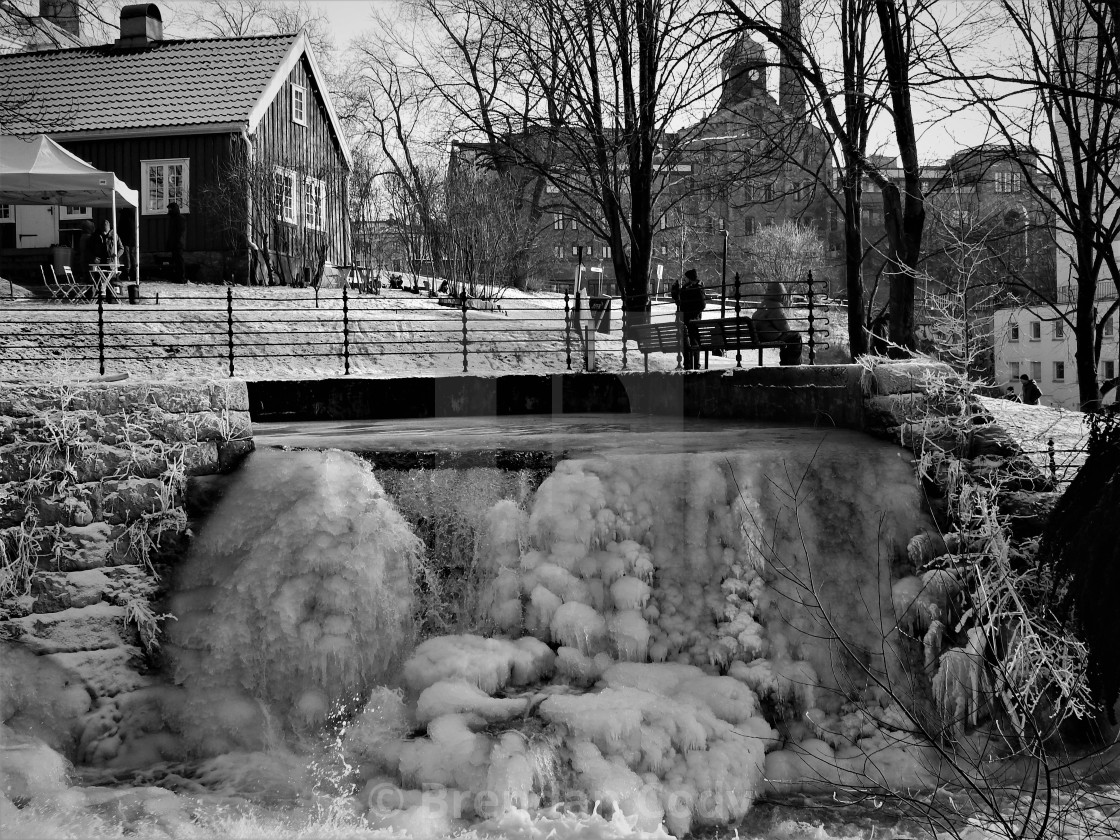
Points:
719	334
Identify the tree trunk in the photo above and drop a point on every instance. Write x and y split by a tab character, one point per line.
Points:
853	266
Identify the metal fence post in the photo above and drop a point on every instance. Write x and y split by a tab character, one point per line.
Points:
101	330
809	295
1053	461
464	303
738	309
229	326
568	330
345	331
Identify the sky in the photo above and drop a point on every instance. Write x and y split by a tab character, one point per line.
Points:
350	18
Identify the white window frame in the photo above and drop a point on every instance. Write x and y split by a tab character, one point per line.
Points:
1013	334
64	213
1009	182
299	104
1059	330
558	222
1109	369
1036	331
1059	371
287	203
313	216
146	197
558	252
606	252
1036	371
7	217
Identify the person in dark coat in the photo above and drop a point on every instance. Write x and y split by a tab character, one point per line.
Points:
1031	391
176	241
88	247
691	301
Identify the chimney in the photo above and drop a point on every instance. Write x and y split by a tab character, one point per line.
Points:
791	97
141	26
62	13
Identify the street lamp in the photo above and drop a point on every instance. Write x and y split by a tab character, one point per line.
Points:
723	273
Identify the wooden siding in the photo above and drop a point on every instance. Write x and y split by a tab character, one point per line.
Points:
207	153
309	150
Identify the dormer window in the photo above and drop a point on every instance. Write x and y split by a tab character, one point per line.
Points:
299	104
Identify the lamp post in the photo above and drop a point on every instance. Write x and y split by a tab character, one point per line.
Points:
723	273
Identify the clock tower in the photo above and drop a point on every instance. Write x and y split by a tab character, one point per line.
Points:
744	72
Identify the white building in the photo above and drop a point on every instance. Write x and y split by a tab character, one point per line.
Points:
1035	341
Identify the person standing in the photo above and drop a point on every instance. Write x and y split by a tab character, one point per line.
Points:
691	301
1031	392
176	241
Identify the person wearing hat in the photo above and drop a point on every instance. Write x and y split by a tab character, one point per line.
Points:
1031	391
691	301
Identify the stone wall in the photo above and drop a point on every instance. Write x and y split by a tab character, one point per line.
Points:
94	481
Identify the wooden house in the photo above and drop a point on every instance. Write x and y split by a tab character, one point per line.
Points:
239	132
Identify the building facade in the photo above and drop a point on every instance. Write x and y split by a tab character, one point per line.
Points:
239	132
1035	341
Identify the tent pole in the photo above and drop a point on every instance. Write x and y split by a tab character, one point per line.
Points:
115	236
136	245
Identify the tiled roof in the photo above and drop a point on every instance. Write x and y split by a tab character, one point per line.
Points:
172	83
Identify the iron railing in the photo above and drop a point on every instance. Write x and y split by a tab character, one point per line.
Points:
254	331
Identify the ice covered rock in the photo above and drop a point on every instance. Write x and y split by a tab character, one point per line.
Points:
488	663
458	697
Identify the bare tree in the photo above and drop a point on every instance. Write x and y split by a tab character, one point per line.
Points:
237	18
578	98
844	104
1054	100
785	253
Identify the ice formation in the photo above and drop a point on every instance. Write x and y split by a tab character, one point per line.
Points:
669	604
298	593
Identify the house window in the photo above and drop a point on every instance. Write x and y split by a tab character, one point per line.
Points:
768	192
6	214
1014	366
1059	371
1108	329
287	207
164	181
1014	331
558	223
299	104
748	226
551	188
313	203
575	250
664	222
1009	182
575	224
1036	330
1036	371
1059	330
1109	371
607	252
558	252
71	212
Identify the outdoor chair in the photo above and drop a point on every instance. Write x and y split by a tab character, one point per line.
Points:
54	288
78	289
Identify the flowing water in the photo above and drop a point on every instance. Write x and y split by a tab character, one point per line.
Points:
525	627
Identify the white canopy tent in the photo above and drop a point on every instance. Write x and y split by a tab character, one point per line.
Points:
36	170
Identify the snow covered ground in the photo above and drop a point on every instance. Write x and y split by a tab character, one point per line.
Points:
1033	426
182	331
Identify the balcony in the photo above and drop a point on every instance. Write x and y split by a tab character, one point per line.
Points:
1106	290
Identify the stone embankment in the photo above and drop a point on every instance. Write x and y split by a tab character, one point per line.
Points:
926	408
94	487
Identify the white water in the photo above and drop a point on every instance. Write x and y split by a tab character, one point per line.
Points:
762	576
